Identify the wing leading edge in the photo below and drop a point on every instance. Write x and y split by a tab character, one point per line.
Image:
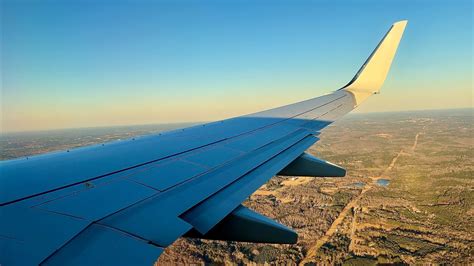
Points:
124	202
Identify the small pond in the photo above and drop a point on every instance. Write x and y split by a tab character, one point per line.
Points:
383	182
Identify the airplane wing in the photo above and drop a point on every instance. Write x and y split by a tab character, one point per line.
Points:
123	202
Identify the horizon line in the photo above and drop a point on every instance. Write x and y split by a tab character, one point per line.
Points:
190	123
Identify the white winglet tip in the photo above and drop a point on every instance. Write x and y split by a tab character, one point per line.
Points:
371	76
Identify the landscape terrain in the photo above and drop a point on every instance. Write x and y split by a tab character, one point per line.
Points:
408	196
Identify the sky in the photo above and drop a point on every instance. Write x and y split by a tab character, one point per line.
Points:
67	64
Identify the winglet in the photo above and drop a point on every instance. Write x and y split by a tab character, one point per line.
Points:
372	74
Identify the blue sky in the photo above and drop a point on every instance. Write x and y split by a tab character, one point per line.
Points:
99	63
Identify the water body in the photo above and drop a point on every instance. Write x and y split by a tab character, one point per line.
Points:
383	182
